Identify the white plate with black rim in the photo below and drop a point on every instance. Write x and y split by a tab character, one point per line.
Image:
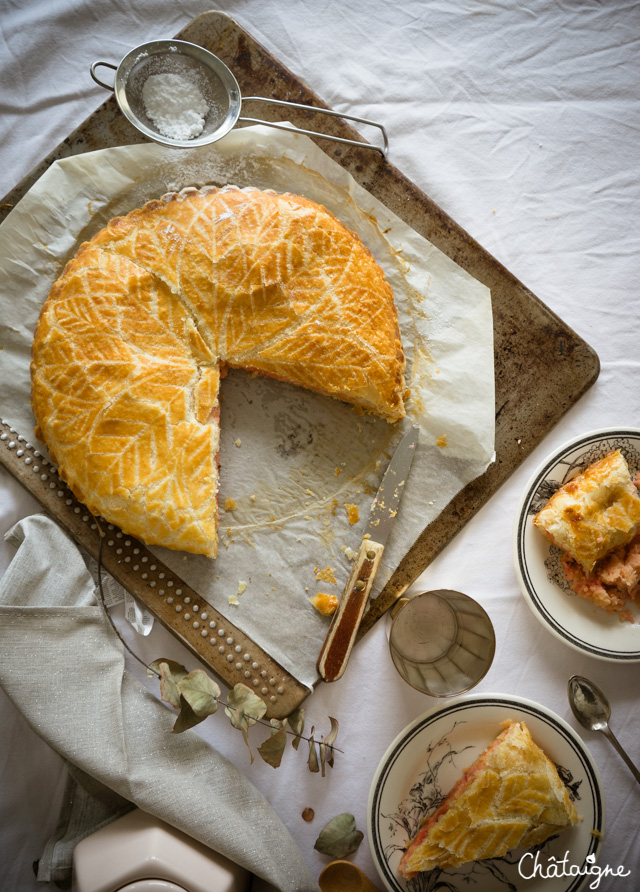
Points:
430	755
574	620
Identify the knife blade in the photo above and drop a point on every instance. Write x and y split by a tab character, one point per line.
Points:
337	646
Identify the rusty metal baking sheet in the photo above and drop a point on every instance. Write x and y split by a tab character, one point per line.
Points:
542	366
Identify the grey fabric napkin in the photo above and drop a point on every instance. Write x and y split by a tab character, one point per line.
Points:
63	667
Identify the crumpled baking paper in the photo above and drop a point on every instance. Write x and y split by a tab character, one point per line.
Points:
291	460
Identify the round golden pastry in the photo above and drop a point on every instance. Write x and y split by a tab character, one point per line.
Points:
132	339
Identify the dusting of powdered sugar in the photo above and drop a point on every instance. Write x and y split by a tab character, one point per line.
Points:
209	171
175	105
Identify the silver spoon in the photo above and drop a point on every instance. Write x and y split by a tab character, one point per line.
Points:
591	707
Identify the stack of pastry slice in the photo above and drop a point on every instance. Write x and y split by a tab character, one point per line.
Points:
594	519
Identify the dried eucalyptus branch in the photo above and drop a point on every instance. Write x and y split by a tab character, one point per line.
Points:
197	696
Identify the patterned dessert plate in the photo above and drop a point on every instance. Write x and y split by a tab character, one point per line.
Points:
429	756
574	620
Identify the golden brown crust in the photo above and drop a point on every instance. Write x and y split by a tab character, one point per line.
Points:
511	796
594	512
131	340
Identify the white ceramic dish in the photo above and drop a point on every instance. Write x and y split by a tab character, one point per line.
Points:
574	620
428	757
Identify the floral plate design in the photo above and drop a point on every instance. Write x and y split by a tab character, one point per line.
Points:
430	755
574	620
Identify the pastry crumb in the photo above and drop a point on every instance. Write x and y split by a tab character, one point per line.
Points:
230	504
324	603
234	601
238	442
242	586
352	513
349	552
325	575
442	441
338	472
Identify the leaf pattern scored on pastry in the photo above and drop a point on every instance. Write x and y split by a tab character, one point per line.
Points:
133	337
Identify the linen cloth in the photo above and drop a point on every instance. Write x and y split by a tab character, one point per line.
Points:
522	122
62	665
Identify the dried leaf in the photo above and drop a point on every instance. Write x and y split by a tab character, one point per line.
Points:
330	739
242	697
322	755
330	759
326	746
177	669
273	748
296	723
186	718
171	673
313	754
243	709
339	837
200	691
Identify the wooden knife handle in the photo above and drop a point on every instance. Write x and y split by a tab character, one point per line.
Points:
344	626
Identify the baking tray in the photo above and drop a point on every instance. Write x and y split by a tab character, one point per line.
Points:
542	367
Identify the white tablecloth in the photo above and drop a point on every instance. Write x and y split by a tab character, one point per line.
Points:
523	122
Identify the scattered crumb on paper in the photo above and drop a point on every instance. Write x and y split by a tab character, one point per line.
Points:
326	575
352	513
349	552
324	603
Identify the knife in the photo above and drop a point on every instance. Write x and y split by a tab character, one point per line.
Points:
342	632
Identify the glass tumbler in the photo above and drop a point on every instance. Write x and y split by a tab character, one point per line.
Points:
442	642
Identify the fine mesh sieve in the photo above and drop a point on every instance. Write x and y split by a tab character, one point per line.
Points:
217	85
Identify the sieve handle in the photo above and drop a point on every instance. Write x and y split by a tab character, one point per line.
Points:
95	76
323	111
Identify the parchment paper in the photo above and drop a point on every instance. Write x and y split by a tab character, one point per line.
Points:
290	459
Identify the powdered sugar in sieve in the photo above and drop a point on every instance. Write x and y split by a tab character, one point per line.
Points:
175	105
162	87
